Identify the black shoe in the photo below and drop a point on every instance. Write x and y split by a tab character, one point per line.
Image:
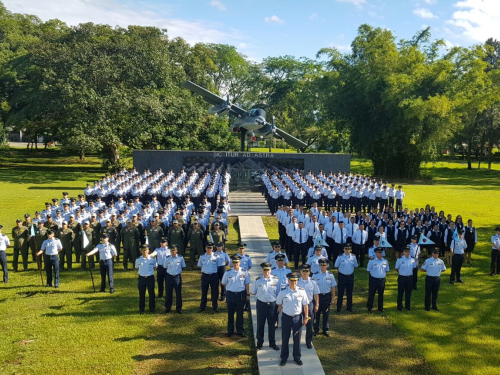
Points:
381	310
415	288
408	308
452	282
460	281
258	347
152	311
245	309
435	308
400	308
282	363
57	287
275	347
141	312
338	310
309	346
216	309
159	295
179	311
351	310
229	334
167	311
427	309
111	291
326	334
369	311
201	310
298	362
242	334
315	334
101	290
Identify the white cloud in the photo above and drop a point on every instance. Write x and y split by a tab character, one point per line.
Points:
218	4
356	3
113	12
477	20
313	16
430	2
448	44
275	19
424	13
341	47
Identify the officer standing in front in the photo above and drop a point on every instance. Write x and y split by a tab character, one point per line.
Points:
162	253
173	264
209	278
312	291
51	246
433	266
326	283
294	303
405	266
378	268
346	264
266	289
237	283
146	266
495	250
457	248
4	243
106	254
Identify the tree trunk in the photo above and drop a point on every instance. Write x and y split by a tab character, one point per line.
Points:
469	154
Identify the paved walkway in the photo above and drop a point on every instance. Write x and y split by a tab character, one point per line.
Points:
253	233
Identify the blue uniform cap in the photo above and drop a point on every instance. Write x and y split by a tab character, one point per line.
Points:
279	257
292	276
235	258
379	250
266	266
322	261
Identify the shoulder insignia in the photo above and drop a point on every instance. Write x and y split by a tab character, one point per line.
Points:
243	269
258	278
274	276
271	251
300	288
273	268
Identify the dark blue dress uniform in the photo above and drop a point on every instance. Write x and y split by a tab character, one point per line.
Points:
292	302
146	266
51	247
208	264
236	283
106	254
173	267
433	266
326	283
346	264
312	289
378	269
458	246
266	290
405	266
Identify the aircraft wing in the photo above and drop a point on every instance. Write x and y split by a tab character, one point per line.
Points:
290	139
213	99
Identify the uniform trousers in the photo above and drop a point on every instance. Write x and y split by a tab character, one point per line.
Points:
266	312
173	282
432	284
220	273
289	248
3	262
52	264
212	281
147	282
290	324
66	255
359	251
346	285
415	277
310	323
161	274
495	261
456	266
235	302
129	254
376	285
324	308
300	251
106	268
337	250
24	254
405	285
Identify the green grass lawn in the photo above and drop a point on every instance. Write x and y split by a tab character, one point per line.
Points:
461	339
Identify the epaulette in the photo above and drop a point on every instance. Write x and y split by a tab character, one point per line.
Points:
276	277
168	256
300	288
271	251
273	268
258	278
243	269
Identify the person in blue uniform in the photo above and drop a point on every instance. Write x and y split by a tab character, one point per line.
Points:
107	252
146	266
415	254
245	263
345	264
51	247
208	264
405	266
266	289
495	251
433	266
312	291
457	248
326	283
173	265
378	268
293	302
237	283
161	253
222	262
4	243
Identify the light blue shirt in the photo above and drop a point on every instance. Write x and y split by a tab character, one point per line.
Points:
292	301
313	262
310	286
458	246
378	268
281	274
326	281
405	265
52	246
146	266
223	258
4	242
245	262
235	281
266	290
312	252
161	254
371	252
346	263
208	263
174	265
433	267
495	241
270	258
106	251
415	252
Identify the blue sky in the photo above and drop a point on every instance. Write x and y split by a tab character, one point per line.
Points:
260	28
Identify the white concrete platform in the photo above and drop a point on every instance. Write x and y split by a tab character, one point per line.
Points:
253	233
